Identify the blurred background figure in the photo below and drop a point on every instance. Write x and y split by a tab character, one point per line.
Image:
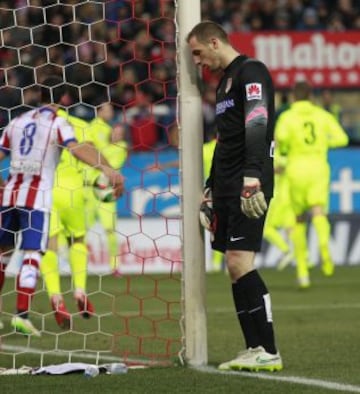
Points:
327	102
110	141
303	134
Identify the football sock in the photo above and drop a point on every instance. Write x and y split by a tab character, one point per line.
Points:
275	238
113	249
259	309
26	282
245	320
78	256
49	269
300	249
322	228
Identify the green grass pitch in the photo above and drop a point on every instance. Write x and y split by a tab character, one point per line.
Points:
317	332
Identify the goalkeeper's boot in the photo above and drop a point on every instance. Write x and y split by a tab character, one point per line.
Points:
285	260
62	316
24	326
255	360
85	306
226	366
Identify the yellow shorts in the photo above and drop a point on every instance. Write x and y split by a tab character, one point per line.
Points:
309	187
68	212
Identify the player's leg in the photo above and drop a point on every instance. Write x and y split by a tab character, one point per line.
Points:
280	216
9	225
322	228
299	190
74	221
49	265
108	216
318	201
50	262
274	237
241	237
217	260
301	253
35	228
78	258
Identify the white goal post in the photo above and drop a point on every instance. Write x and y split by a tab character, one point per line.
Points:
191	168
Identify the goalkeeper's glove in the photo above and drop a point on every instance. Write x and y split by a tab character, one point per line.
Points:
253	202
207	215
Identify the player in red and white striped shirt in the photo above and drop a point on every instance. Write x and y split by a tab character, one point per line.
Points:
34	141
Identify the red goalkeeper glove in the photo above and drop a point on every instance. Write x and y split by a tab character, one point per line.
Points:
253	202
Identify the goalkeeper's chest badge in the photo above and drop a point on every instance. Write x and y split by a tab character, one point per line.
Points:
228	85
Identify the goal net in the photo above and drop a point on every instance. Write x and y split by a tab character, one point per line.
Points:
122	52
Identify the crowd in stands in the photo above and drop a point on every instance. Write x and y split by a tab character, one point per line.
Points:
130	55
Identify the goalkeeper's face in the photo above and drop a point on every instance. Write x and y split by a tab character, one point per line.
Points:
206	55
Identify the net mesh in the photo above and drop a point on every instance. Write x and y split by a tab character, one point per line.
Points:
122	52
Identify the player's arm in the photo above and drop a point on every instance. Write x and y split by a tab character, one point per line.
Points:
337	136
88	154
256	98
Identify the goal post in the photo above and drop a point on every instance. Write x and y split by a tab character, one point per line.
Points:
191	141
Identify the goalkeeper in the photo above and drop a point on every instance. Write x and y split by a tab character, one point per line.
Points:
241	185
304	133
68	218
110	142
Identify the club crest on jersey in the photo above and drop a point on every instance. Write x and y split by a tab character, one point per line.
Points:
253	91
228	85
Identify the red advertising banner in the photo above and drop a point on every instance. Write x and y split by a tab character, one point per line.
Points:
324	59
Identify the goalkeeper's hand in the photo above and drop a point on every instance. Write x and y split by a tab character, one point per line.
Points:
253	202
207	215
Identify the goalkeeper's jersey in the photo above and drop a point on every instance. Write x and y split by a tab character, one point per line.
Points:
245	125
305	132
70	171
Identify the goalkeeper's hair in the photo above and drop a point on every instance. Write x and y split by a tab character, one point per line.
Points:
52	90
205	30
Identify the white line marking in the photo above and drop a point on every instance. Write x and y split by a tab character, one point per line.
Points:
287	379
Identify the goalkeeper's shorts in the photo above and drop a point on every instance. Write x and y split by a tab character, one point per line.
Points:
234	230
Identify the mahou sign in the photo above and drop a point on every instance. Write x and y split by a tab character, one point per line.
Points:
324	59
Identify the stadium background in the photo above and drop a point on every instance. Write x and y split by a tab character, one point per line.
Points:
128	55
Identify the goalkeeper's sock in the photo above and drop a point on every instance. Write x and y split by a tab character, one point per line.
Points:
50	271
275	238
322	228
78	256
113	250
300	249
245	320
259	309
